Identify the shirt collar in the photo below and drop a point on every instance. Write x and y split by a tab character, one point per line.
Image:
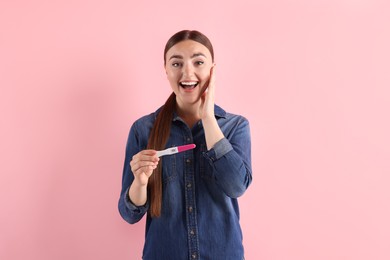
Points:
219	112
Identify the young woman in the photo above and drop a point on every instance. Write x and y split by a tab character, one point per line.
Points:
190	197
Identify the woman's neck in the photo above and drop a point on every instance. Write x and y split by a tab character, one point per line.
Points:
190	114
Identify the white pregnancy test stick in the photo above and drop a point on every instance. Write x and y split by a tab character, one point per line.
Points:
177	149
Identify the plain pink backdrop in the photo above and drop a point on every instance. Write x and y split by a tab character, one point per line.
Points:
312	77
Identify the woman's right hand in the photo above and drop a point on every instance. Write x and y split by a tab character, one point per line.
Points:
142	166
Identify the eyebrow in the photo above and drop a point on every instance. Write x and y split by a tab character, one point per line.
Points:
198	54
193	56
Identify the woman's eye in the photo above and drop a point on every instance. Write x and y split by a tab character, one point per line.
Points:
176	64
199	63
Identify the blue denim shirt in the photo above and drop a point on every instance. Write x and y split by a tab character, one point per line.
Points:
200	214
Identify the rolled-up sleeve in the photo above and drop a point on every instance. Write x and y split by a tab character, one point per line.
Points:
230	159
130	212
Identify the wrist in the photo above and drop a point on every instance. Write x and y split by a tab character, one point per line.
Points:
138	184
209	119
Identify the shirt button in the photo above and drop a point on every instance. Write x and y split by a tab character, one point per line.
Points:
190	209
192	232
189	185
193	255
188	160
188	139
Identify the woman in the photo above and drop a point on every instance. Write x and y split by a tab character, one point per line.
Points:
190	197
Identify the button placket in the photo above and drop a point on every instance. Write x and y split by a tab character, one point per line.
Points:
189	179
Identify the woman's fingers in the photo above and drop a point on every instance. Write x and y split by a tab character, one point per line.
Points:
212	76
143	165
148	155
144	162
147	170
145	155
207	105
142	174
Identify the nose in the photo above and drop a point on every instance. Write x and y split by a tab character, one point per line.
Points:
187	70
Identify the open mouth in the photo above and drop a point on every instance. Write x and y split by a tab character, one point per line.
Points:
188	84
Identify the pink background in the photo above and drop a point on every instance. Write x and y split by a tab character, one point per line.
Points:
311	76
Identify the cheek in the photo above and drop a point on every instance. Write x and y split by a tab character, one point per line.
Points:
204	76
172	79
171	76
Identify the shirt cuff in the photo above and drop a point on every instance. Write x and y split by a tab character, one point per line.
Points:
221	148
130	205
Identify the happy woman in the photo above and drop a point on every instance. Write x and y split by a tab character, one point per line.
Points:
189	193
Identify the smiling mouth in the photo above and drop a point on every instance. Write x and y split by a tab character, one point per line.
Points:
188	84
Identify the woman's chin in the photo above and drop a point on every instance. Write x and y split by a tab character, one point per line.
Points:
190	101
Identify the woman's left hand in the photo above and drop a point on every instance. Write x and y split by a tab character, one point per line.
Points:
207	105
211	128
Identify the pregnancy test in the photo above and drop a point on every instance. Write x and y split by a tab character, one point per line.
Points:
177	149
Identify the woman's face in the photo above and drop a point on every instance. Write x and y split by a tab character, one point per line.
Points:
188	65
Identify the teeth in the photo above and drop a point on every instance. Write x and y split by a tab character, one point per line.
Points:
189	83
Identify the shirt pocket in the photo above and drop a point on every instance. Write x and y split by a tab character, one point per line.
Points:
169	168
206	170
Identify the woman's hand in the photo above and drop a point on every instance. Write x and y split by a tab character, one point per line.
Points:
142	166
207	105
211	128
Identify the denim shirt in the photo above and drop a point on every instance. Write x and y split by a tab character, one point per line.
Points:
200	214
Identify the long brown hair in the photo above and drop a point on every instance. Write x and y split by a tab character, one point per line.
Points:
162	126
